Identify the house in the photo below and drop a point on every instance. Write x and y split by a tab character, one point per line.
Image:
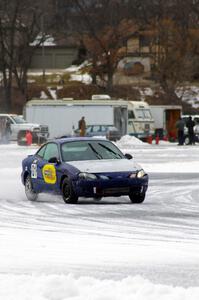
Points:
54	57
55	54
137	61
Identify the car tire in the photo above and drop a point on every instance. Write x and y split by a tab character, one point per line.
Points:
30	193
187	140
68	193
137	197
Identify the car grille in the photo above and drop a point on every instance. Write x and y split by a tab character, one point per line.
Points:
116	190
44	129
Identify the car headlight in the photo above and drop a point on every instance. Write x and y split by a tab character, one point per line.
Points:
140	173
88	176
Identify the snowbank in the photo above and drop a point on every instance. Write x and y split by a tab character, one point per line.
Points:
62	287
84	78
189	94
75	68
128	141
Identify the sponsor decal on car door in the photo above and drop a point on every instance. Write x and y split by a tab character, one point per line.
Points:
49	174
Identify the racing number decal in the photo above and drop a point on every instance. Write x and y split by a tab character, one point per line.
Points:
33	170
49	174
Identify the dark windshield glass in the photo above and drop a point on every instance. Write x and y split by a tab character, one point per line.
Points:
90	150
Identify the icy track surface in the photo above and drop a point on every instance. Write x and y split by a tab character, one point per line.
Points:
105	250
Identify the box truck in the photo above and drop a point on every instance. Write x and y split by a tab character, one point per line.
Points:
165	118
62	116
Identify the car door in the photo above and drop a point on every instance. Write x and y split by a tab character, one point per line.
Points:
46	172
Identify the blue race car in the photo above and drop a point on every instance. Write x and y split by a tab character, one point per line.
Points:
83	167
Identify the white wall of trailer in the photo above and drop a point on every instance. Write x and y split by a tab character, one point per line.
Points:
159	113
159	117
63	116
62	120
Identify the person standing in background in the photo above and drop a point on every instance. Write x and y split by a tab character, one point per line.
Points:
190	125
82	126
7	132
180	124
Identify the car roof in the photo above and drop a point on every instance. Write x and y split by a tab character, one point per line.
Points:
73	139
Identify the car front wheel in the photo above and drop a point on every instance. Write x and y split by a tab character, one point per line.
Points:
137	197
30	193
68	193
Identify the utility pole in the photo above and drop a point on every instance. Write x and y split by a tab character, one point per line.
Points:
43	46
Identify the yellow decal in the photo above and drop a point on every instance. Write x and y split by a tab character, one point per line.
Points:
49	174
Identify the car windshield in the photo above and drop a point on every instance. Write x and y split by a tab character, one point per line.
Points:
90	150
19	119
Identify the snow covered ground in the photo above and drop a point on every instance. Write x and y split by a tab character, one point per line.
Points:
105	250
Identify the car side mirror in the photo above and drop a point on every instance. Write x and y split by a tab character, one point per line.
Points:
128	156
54	160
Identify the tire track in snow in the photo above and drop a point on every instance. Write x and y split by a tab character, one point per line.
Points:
170	212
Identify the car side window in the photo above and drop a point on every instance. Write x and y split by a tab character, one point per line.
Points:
131	114
96	128
103	128
89	129
41	152
51	151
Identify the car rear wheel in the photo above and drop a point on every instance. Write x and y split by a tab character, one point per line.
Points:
30	193
137	197
68	193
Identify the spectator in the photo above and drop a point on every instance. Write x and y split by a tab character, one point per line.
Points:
7	132
190	125
180	124
82	126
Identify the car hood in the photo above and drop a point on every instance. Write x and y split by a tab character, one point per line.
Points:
105	165
29	125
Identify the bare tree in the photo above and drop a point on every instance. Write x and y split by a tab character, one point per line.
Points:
172	29
104	29
106	50
20	24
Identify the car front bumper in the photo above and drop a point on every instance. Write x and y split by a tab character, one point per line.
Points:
113	187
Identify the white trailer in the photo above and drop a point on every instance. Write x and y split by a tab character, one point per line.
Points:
62	116
140	120
165	118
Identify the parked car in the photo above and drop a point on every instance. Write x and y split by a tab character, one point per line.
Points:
83	167
108	131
